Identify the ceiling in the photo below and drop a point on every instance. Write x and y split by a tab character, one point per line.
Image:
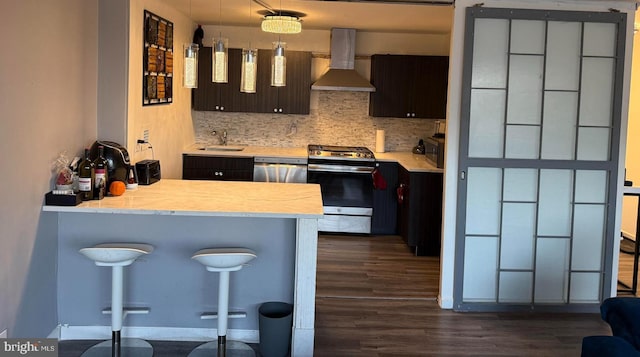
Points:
405	16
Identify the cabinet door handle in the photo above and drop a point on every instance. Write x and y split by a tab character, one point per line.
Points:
280	110
217	107
408	115
221	107
275	110
463	175
400	191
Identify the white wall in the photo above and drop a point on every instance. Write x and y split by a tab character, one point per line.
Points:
447	261
170	126
630	205
48	105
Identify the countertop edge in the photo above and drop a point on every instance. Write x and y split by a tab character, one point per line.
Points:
174	197
411	162
76	209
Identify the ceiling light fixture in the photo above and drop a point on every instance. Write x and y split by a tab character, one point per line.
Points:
249	70
281	23
220	55
190	77
278	65
190	73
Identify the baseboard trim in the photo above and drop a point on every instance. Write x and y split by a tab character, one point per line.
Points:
66	332
628	235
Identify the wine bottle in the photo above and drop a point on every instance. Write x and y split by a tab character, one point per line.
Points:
102	176
86	177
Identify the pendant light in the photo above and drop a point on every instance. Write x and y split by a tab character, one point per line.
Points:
190	53
278	65
249	66
190	77
278	61
220	56
249	70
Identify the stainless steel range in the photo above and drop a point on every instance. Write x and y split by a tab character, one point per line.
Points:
344	175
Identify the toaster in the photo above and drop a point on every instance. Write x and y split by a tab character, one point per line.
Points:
148	171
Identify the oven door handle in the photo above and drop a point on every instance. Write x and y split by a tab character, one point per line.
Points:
341	168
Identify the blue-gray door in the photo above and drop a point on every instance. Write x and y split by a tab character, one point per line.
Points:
540	132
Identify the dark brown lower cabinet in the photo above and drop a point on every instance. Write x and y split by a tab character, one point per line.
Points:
419	197
385	208
196	167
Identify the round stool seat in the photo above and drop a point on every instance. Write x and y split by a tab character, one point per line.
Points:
224	259
116	254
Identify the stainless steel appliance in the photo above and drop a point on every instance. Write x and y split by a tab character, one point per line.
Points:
346	183
280	169
434	151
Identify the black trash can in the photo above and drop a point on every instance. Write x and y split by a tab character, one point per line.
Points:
275	326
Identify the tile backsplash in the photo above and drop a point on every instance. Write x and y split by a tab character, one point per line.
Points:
341	118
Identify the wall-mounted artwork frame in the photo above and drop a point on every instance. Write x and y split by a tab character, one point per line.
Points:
157	60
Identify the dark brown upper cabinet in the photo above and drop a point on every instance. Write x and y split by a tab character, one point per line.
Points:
291	99
226	97
295	96
409	86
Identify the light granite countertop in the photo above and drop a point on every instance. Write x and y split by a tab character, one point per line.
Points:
210	198
250	151
411	162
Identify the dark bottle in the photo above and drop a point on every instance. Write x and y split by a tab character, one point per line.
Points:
101	177
86	177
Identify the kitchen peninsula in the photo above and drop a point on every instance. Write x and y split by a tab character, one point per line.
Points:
278	222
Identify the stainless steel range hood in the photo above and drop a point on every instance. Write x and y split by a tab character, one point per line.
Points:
341	75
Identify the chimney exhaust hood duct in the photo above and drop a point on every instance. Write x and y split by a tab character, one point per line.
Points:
341	75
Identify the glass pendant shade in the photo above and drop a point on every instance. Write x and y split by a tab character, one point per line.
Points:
220	60
278	65
281	24
249	70
190	77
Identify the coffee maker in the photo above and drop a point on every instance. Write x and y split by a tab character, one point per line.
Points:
117	157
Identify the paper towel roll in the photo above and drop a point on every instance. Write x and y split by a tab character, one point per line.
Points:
379	140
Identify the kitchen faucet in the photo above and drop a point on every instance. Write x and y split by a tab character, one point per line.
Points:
221	139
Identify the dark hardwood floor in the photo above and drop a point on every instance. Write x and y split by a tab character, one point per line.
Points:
374	267
375	299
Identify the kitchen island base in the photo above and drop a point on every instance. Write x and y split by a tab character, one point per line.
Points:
174	287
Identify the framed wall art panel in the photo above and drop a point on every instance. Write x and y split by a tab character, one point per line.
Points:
157	60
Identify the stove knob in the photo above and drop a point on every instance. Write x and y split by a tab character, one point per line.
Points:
318	152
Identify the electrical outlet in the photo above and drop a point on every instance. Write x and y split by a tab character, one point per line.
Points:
145	135
3	334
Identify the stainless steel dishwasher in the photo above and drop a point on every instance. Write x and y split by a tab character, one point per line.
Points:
280	169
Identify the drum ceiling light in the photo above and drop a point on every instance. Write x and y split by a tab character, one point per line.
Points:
281	23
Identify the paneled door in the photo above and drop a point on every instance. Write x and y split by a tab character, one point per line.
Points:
540	132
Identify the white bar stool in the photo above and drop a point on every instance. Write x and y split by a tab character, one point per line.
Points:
117	256
223	261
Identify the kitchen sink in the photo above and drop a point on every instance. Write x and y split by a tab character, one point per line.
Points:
221	148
